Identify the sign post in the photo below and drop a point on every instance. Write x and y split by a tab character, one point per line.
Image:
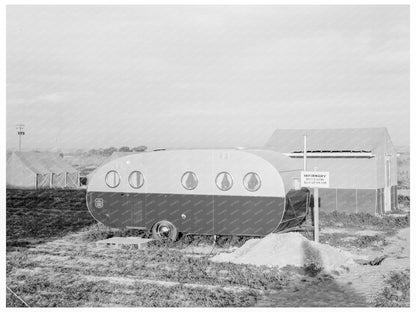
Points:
315	179
316	214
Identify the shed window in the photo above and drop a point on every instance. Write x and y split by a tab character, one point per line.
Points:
136	179
224	181
252	181
112	178
189	180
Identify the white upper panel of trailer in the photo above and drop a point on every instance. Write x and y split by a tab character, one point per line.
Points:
163	172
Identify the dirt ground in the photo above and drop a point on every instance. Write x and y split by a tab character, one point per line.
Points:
369	280
360	285
72	272
61	266
52	260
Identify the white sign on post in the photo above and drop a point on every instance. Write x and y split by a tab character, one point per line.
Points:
314	179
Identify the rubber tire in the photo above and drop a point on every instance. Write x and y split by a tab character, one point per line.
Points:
173	234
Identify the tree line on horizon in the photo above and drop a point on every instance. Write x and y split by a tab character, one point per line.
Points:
110	150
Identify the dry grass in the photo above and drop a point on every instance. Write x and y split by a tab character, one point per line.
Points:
364	221
397	291
34	217
72	272
52	261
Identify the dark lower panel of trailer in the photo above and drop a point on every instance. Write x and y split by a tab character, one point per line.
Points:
202	214
247	215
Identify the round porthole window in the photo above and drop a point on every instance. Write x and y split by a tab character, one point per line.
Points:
136	179
189	180
112	178
224	181
252	181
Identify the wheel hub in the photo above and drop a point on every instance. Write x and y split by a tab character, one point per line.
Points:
164	231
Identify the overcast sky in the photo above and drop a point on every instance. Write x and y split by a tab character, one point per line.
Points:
203	76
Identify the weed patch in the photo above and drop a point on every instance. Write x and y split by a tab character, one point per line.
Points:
364	220
45	286
397	291
403	200
346	240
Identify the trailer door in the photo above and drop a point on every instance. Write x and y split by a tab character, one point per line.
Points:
129	212
197	213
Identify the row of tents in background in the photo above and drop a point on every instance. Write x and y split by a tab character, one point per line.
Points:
362	165
40	170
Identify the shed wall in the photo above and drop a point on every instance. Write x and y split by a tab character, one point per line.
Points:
348	200
382	151
346	173
393	154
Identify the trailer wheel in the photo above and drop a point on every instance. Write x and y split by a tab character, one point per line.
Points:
164	230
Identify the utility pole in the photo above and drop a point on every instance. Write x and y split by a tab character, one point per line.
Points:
20	132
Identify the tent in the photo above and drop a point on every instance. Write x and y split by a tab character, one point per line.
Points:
362	166
37	170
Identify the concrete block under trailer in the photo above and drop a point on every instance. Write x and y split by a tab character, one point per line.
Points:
227	192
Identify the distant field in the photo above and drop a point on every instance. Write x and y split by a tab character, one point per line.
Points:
85	163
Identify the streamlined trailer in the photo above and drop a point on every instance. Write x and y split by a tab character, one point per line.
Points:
227	192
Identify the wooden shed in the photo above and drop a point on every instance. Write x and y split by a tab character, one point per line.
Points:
362	164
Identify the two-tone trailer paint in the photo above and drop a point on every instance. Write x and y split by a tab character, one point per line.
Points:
229	192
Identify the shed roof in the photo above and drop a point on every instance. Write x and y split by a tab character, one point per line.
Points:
44	162
353	139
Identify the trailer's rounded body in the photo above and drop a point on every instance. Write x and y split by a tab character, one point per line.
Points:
230	192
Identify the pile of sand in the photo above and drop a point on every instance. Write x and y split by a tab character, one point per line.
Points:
287	249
